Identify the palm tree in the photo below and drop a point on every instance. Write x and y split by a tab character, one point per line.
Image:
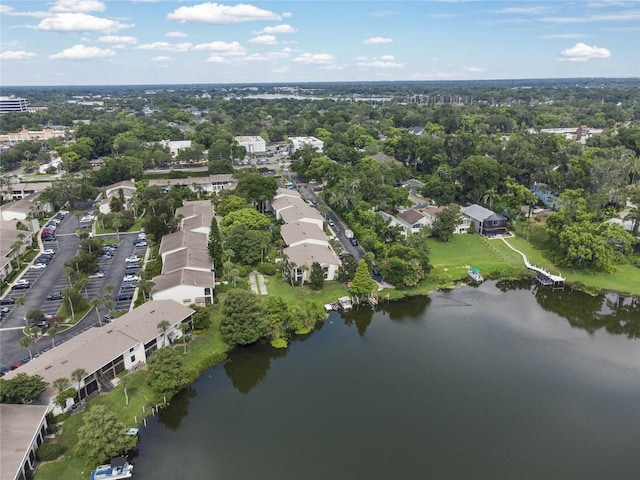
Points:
145	286
184	328
60	383
26	342
77	375
15	248
81	283
109	302
95	303
69	271
164	326
116	222
67	293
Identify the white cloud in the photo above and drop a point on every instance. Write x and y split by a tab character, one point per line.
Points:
284	28
79	22
77	6
377	40
264	40
217	59
16	55
222	48
121	40
287	14
169	47
315	58
218	14
264	57
162	59
385	61
11	11
475	69
80	52
582	52
175	35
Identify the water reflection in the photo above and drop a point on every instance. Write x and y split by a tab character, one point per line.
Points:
246	367
172	418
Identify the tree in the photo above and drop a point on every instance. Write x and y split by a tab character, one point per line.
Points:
184	329
95	304
78	375
167	372
164	326
316	279
362	284
22	388
257	189
60	383
26	342
446	222
243	320
102	436
215	244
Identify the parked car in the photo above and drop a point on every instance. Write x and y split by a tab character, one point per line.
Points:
48	251
8	301
133	259
105	256
128	286
38	266
111	245
124	296
15	365
139	242
21	285
48	238
131	278
4	310
4	371
108	318
98	274
55	295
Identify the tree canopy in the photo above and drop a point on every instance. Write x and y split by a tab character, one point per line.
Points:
243	321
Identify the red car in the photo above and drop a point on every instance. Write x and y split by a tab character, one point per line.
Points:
16	365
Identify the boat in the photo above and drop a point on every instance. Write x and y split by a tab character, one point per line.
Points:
474	274
118	468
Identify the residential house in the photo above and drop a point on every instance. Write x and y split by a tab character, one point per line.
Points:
128	189
432	213
28	207
189	287
180	240
486	222
288	206
301	256
18	191
409	221
544	194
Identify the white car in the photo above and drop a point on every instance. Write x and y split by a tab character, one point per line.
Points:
49	251
133	259
130	278
38	266
97	275
22	282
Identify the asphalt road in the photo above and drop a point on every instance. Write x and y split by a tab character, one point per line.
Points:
52	278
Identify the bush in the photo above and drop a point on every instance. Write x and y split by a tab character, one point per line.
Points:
49	451
267	269
245	270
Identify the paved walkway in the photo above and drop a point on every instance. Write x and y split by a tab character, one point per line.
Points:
257	283
530	266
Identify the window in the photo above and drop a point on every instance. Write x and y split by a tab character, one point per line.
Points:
133	358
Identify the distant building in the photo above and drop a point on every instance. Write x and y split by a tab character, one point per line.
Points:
13	104
128	189
175	146
24	135
580	134
207	185
298	142
253	144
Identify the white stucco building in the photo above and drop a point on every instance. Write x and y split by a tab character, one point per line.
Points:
252	143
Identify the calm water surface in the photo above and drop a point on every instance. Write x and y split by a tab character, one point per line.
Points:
504	381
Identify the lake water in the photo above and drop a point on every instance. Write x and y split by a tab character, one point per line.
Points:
503	381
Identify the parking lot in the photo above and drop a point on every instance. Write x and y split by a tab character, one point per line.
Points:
51	279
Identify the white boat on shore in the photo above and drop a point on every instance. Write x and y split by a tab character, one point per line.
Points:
474	274
119	468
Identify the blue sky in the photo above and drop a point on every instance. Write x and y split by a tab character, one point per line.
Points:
102	42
